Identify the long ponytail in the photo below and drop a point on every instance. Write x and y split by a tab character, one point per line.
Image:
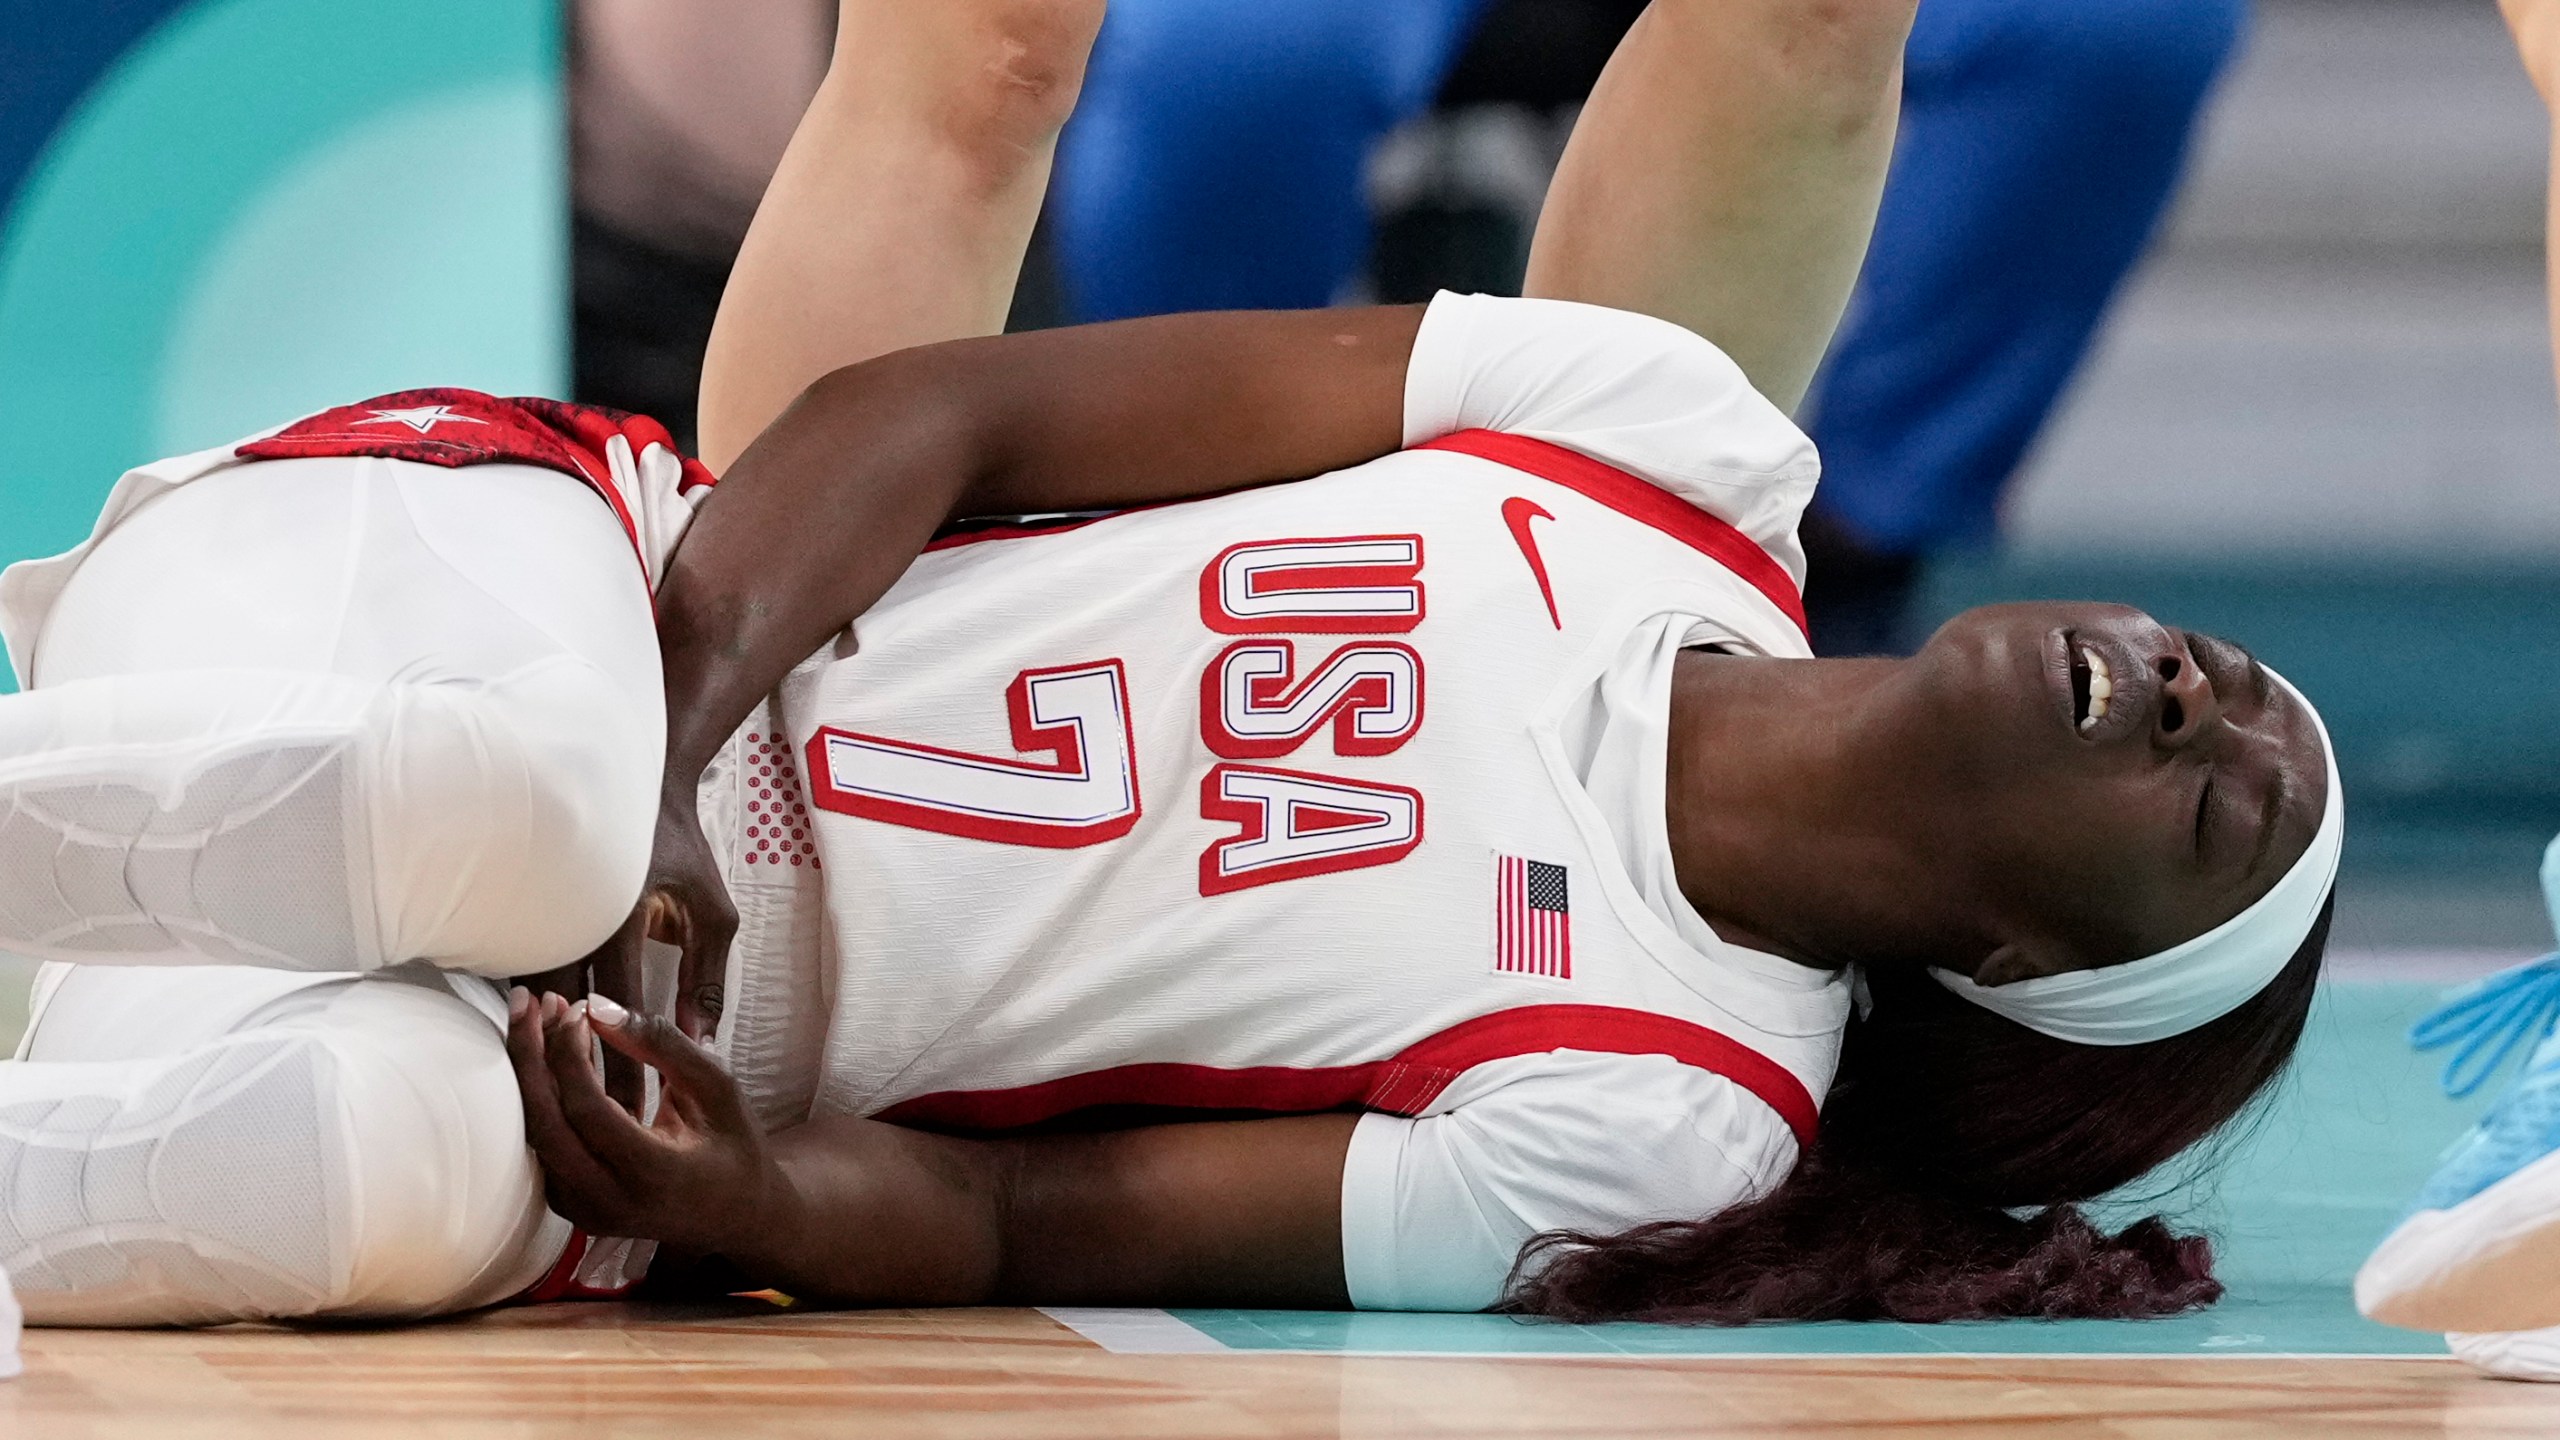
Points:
1944	1123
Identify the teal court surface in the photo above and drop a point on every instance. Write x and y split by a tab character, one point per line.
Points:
2293	1201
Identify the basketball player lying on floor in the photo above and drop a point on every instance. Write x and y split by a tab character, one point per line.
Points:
1462	840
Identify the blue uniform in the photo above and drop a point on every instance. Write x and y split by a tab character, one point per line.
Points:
1216	162
2040	144
1215	159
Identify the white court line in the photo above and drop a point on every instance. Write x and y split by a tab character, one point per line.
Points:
1136	1332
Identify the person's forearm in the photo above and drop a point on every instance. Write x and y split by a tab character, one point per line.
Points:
846	1208
863	1212
900	213
828	508
813	524
1725	175
1214	1213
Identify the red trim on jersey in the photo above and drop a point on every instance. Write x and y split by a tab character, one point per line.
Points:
561	1281
561	1278
1639	500
1404	1085
454	428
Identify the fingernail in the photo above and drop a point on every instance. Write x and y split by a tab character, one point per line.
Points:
519	1000
606	1011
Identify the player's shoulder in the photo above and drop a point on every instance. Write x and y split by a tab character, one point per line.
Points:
1634	392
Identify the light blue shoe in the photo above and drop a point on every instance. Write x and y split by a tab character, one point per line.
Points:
2480	1250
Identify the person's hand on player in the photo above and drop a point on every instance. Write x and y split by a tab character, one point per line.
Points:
697	1176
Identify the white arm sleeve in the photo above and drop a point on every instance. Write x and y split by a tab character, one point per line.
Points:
1639	393
1435	1210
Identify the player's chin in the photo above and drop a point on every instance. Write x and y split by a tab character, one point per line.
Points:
1990	665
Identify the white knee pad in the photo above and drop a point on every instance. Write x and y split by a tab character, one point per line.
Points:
309	822
189	816
510	822
358	1155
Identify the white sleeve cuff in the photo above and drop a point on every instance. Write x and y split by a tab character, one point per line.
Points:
1370	1211
1435	377
1435	1210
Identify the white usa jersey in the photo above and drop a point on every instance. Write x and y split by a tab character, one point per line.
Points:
1338	794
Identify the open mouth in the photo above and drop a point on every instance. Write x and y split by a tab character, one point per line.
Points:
2093	687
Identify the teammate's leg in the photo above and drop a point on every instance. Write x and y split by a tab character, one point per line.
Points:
218	1144
1725	174
336	715
902	208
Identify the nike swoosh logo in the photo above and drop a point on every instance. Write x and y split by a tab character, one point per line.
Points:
1517	513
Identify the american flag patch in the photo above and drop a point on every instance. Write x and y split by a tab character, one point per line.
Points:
1532	921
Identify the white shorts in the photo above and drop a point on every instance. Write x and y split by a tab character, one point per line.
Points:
310	729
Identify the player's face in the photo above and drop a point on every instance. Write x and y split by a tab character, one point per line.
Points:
2111	787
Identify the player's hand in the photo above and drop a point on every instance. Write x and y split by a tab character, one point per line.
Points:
683	903
687	905
698	1176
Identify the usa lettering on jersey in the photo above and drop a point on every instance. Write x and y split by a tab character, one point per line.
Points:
1254	706
1073	779
1291	824
1360	584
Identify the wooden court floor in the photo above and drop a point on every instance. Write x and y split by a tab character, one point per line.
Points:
597	1371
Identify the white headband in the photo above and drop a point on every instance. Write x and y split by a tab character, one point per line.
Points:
2192	984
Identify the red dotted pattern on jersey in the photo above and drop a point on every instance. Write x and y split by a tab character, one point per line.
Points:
779	829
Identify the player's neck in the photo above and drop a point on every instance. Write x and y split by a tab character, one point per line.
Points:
1785	830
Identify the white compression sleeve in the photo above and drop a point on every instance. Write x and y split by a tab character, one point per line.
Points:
338	714
314	823
225	1144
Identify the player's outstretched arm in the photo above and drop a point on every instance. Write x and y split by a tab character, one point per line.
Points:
1726	172
856	1211
901	210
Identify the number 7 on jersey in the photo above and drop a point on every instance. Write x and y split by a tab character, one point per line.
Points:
1084	792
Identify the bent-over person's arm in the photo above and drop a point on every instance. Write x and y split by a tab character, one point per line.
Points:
1726	172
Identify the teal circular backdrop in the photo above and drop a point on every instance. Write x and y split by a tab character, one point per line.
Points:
264	207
